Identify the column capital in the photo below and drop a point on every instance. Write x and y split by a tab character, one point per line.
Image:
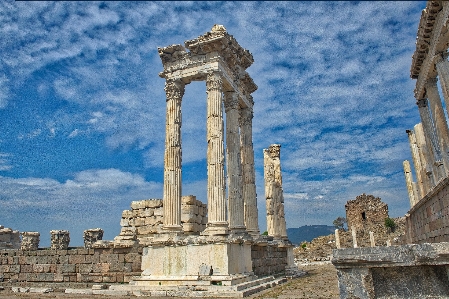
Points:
275	151
174	89
422	103
213	81
231	101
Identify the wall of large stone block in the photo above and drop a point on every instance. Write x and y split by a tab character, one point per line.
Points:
365	210
428	220
99	265
268	259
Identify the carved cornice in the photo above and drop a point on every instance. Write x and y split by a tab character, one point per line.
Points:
214	81
174	89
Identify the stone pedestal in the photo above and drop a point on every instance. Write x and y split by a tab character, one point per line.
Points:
60	239
91	236
30	240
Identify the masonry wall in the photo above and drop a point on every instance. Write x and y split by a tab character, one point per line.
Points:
99	265
428	220
365	210
268	259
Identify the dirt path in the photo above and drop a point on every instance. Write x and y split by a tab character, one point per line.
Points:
321	282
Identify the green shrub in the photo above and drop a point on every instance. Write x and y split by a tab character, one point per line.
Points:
265	233
389	223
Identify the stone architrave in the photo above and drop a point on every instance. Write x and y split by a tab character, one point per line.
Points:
420	174
429	135
174	90
337	238
91	236
248	172
354	237
60	239
217	222
30	241
409	183
234	168
441	129
276	225
428	168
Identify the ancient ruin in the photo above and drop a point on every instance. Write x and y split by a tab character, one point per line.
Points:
9	239
365	211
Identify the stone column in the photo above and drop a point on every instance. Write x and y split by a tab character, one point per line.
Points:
354	236
442	66
216	200
371	239
428	175
409	183
337	238
248	172
429	135
30	240
442	131
174	90
234	167
416	162
60	239
91	236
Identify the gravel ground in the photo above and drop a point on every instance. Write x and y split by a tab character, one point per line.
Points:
320	282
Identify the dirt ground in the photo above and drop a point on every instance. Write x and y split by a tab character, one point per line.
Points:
320	282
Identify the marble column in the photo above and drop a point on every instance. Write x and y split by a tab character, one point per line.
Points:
216	197
442	131
429	171
442	67
337	239
409	183
248	172
233	163
354	237
174	90
417	163
429	135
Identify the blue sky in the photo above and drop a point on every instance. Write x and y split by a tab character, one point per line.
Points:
82	108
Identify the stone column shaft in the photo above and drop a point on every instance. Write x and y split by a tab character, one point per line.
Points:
234	167
409	183
442	131
371	238
216	207
337	239
442	66
248	172
428	174
354	237
173	157
417	163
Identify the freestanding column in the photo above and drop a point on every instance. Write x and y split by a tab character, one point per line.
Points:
234	168
174	90
417	163
248	172
429	135
409	182
442	131
216	200
427	164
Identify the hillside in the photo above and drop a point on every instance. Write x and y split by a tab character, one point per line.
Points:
308	232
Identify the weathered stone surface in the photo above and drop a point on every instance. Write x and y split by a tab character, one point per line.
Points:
91	236
30	240
60	239
9	239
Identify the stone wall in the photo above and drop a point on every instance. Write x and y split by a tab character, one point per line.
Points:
99	265
428	220
9	239
268	259
365	210
146	217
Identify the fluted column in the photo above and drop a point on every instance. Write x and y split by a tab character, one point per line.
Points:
409	183
216	200
429	135
234	167
248	172
420	174
174	90
442	66
442	131
428	168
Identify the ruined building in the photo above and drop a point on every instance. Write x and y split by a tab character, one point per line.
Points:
365	211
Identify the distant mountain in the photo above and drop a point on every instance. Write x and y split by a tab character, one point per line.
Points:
308	232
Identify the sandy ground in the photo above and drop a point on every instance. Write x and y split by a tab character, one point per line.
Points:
321	282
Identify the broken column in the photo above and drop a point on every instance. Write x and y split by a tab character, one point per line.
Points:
371	239
276	225
9	239
30	240
354	237
429	175
337	238
91	236
409	183
60	239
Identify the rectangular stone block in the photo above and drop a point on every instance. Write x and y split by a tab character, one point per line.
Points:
77	259
109	258
41	268
100	267
159	211
85	268
93	258
148	212
189	218
188	200
127	214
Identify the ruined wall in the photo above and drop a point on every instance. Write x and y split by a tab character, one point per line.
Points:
268	259
99	265
365	210
9	239
428	220
146	217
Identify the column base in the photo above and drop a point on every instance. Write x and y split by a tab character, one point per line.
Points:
216	228
172	229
